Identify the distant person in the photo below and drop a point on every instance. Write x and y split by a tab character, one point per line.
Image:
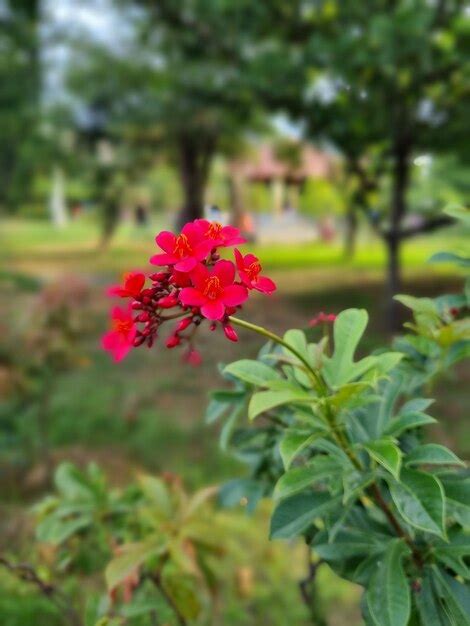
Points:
140	215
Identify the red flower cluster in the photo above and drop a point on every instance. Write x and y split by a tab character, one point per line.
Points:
322	318
194	285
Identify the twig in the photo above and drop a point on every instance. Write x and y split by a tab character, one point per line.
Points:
61	601
308	591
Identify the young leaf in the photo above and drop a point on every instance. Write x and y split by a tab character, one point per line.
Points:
348	330
294	441
388	595
296	338
133	555
432	454
266	400
297	479
387	453
253	372
419	497
295	514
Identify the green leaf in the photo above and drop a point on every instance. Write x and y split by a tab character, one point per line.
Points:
387	453
349	543
297	479
432	454
348	330
296	338
295	514
267	400
388	595
457	490
294	441
55	530
390	391
454	597
241	491
253	372
428	604
419	498
452	554
181	588
156	490
133	555
407	421
450	257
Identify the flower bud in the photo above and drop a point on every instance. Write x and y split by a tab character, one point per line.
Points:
183	324
138	341
159	277
193	357
136	306
230	332
173	341
168	302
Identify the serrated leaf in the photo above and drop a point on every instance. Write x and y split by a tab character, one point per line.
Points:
348	329
407	421
387	453
317	470
388	595
432	454
419	498
267	400
295	514
293	442
253	372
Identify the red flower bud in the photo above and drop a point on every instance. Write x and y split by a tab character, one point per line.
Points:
193	357
158	277
138	341
173	341
136	306
168	302
230	332
183	324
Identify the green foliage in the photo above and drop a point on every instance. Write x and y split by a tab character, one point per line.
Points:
344	460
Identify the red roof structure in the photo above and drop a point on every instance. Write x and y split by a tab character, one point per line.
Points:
266	165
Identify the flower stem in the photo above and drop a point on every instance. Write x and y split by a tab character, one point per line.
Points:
279	340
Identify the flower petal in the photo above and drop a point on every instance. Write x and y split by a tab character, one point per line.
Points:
186	265
189	296
234	295
163	259
166	241
225	271
213	310
264	284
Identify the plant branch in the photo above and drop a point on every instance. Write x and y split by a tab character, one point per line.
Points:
26	573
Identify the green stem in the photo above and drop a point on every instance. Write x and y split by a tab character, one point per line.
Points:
322	388
338	434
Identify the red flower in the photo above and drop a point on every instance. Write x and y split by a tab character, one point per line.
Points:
222	236
133	283
214	291
119	340
183	251
249	269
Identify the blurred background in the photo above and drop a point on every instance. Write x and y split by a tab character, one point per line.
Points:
331	133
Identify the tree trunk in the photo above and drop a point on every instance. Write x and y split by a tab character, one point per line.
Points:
350	233
195	156
394	234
